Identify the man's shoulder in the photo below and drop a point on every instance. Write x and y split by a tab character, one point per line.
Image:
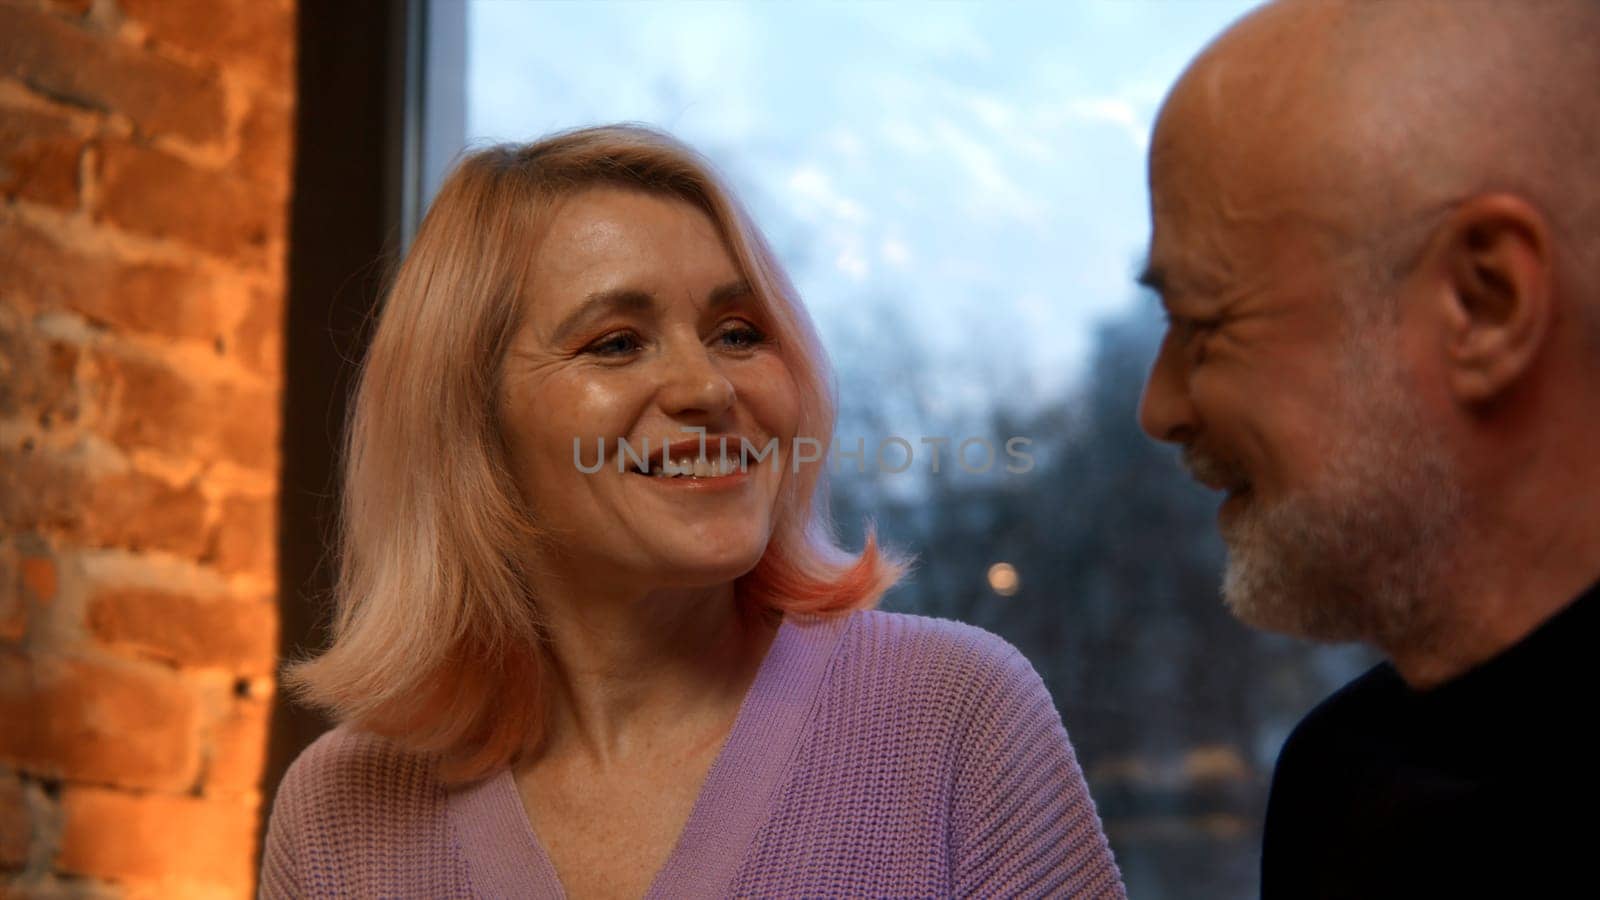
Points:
1311	777
1356	707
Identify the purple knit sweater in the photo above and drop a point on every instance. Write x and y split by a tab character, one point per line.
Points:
875	755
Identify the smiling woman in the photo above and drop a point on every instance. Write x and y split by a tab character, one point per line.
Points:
655	677
648	327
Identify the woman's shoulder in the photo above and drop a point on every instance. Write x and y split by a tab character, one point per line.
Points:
345	751
359	815
352	772
908	639
949	663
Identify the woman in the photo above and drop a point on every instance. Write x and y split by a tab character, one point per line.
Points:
584	650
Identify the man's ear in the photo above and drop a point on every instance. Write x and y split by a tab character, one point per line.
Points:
1496	258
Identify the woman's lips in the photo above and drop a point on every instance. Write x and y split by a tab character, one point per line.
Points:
697	483
712	473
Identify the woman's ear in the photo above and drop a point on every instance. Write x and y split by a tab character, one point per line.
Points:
1498	309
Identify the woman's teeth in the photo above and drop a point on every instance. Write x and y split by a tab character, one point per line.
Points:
689	467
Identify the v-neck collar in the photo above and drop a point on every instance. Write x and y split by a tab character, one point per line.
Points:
506	858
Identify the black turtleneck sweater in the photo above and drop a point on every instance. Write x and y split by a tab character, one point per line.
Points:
1484	786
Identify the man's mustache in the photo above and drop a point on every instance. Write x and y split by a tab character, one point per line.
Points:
1212	471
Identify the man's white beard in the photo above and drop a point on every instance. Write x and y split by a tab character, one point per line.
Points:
1357	555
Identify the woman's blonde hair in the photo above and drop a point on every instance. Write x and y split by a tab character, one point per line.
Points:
437	640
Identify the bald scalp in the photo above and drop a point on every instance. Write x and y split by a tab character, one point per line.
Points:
1479	96
1475	95
1380	113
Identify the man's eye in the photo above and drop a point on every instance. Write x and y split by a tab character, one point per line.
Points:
1191	334
620	344
1188	325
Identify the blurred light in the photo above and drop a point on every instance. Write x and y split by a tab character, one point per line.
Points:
1003	579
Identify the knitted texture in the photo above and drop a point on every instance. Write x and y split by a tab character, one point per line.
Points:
881	755
357	817
936	765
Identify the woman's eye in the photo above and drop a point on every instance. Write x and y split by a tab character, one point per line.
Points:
620	344
741	336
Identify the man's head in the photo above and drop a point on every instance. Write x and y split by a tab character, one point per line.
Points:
1377	235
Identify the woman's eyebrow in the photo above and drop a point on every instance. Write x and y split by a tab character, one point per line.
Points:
724	294
601	303
633	300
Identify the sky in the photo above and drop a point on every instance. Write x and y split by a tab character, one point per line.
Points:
953	182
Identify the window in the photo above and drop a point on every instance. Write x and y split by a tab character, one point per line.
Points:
958	192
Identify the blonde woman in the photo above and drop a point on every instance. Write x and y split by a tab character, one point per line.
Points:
593	638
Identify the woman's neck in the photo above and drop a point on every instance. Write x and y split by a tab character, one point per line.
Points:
630	669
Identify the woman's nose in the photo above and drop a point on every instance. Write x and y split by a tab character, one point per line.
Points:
695	383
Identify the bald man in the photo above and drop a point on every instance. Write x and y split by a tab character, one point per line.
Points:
1376	232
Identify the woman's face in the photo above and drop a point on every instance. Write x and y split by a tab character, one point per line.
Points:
639	325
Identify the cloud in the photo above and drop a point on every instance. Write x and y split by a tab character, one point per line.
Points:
996	191
1002	119
852	262
1114	111
846	143
815	193
895	252
906	137
933	31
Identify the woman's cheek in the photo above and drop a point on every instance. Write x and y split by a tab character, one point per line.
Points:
774	398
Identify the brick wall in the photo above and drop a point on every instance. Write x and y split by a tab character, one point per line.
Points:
144	177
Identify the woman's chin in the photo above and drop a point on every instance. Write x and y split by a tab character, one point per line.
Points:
690	570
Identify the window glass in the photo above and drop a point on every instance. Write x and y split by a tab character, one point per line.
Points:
958	192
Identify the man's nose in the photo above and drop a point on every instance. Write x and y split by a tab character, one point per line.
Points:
1165	410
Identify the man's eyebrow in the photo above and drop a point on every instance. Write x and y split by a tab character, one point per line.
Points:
601	303
1153	277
